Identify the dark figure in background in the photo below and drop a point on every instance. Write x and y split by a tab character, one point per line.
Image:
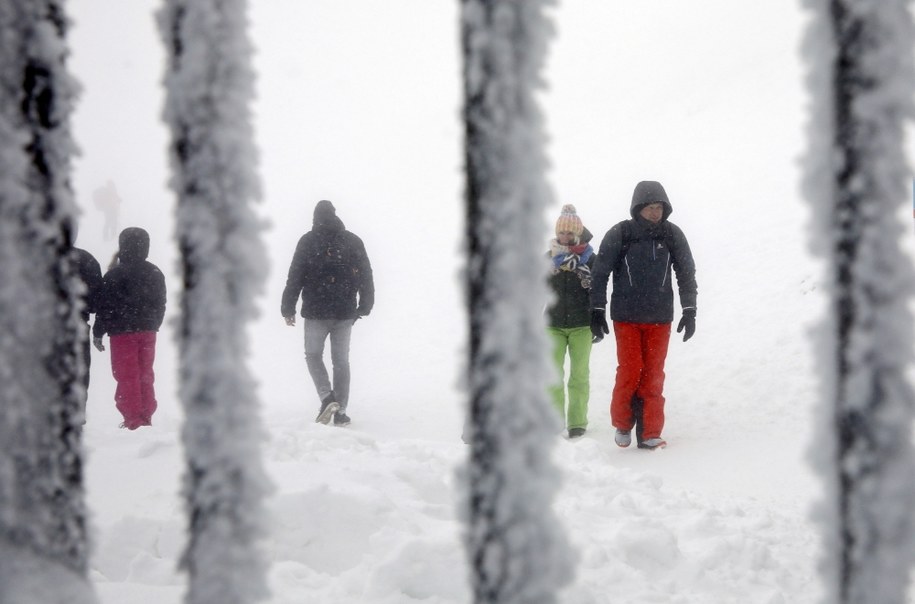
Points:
109	202
331	272
90	273
130	310
640	253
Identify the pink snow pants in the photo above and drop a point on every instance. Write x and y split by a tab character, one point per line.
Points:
132	356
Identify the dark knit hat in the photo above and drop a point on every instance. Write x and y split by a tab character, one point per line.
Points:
133	244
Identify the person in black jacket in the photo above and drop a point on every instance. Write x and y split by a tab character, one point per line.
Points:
90	274
331	272
640	253
130	310
568	317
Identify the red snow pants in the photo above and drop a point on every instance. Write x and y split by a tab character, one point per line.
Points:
132	356
641	349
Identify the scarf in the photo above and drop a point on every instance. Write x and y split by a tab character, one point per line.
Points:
572	258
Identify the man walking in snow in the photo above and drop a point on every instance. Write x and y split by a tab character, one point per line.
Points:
640	253
331	272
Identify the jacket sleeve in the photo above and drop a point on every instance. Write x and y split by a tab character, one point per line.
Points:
685	268
102	309
92	277
295	280
607	256
366	281
160	297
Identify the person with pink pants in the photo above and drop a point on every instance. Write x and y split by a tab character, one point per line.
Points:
131	308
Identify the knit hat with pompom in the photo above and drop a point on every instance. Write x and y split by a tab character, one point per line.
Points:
569	221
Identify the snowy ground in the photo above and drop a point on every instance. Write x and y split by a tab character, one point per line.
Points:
367	513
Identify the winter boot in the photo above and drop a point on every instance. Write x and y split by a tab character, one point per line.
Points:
576	432
328	409
653	443
622	438
341	419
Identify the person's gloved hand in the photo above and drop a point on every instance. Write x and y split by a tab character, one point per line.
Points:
599	325
97	342
688	322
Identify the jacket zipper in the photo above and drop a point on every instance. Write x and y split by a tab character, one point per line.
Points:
666	267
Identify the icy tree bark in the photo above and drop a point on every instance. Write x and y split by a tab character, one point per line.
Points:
861	78
209	89
514	545
43	519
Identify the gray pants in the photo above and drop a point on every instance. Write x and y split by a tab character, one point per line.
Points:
316	332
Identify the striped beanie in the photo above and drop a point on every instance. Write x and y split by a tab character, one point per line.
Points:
569	221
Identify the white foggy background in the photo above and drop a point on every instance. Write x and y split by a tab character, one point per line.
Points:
358	101
347	110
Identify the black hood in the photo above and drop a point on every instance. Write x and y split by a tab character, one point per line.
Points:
326	216
646	192
133	245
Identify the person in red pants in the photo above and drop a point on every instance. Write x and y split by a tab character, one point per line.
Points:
640	253
131	307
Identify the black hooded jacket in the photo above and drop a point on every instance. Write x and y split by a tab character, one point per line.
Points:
90	273
133	292
640	256
330	270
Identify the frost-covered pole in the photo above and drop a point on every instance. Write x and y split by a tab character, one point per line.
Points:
862	83
516	551
209	88
43	519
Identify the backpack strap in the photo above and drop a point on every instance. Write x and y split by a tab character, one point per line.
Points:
629	238
626	240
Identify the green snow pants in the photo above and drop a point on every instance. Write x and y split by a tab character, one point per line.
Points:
577	340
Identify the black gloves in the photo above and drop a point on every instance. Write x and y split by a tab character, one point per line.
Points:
599	325
688	322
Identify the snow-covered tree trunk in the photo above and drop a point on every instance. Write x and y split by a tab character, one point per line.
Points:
44	555
862	83
513	540
209	87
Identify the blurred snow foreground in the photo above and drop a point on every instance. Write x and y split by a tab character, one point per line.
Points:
862	83
43	517
515	549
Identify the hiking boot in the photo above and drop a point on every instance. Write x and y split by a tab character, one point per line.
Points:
576	432
653	443
341	419
328	408
622	438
